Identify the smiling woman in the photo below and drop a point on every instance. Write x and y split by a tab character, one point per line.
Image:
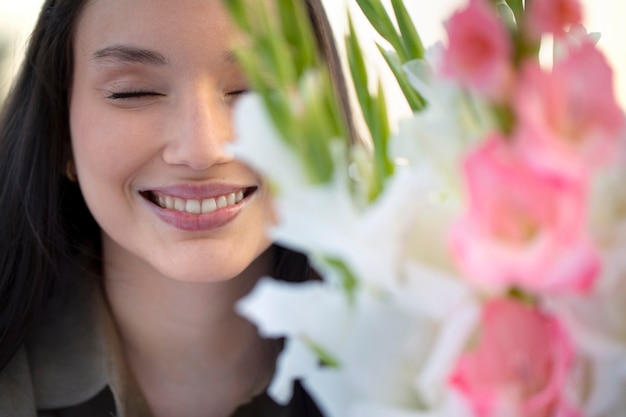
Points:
127	231
149	116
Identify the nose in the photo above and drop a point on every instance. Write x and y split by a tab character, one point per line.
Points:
201	126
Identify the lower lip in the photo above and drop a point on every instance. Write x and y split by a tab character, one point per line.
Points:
199	222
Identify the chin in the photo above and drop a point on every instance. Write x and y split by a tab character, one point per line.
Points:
207	277
224	268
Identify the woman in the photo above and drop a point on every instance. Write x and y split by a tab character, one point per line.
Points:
127	232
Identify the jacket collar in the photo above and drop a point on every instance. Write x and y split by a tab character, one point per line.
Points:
76	352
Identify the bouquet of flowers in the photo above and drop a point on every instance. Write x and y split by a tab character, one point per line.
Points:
473	263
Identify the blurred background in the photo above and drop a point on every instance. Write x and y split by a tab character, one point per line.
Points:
608	17
604	16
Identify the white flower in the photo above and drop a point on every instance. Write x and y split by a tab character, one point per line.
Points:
259	144
305	312
446	129
386	352
325	222
392	342
454	407
408	221
596	322
607	199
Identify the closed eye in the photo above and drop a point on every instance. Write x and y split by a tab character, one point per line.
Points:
233	96
236	93
132	94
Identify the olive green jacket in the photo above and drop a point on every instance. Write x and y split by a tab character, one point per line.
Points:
72	366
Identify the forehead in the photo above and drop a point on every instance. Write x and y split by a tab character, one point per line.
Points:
180	28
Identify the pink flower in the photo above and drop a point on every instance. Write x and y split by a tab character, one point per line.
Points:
569	119
479	50
520	366
553	16
524	227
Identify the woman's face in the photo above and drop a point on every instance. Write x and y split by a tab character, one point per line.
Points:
153	91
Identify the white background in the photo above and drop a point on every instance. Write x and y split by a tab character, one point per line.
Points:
605	16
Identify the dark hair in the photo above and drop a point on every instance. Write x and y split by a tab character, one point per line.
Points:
46	229
35	225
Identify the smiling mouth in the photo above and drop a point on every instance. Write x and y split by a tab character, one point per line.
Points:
197	206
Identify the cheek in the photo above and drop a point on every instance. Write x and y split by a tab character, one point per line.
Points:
93	144
269	216
106	145
253	230
270	208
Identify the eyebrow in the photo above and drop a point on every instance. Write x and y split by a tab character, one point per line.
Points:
131	55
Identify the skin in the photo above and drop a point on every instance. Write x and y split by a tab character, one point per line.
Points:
140	126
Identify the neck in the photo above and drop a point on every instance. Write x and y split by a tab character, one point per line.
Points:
189	350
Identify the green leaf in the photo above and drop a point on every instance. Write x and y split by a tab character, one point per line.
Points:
325	357
508	17
413	98
237	10
411	40
505	117
384	131
517	6
378	17
349	281
284	66
334	112
317	133
374	111
358	69
523	296
381	130
297	30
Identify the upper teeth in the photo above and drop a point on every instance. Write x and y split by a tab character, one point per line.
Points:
192	206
